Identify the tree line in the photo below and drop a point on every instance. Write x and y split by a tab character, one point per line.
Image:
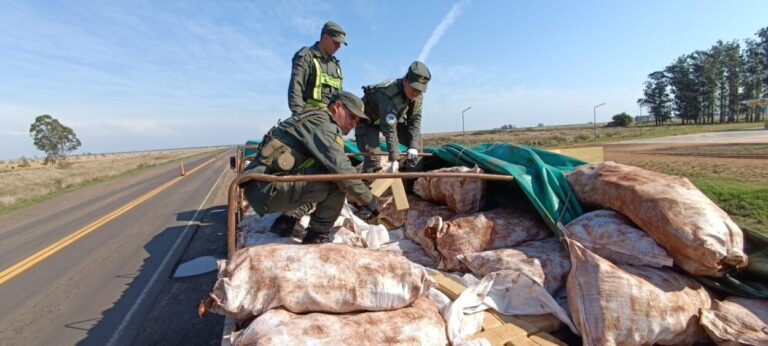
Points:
712	85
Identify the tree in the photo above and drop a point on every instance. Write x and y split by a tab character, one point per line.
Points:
622	119
656	97
53	138
686	102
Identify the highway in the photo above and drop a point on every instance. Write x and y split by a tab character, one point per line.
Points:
87	267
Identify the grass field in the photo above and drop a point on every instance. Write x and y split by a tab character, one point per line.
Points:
26	184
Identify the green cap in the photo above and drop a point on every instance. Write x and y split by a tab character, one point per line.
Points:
352	102
418	76
335	31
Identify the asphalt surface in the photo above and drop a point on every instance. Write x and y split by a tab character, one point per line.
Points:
754	135
114	285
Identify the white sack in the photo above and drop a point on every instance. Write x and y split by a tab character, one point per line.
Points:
737	319
632	305
418	324
612	236
410	250
701	237
545	261
374	235
315	278
460	194
465	234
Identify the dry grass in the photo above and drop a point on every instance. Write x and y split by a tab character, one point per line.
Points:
24	185
574	135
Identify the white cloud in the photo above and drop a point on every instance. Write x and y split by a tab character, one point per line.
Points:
134	126
441	28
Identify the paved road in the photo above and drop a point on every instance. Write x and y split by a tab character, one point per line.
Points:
756	135
100	289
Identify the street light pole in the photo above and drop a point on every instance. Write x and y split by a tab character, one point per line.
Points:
463	135
594	118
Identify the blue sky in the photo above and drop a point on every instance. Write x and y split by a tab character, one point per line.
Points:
141	75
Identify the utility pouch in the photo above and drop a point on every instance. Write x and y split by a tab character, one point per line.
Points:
277	155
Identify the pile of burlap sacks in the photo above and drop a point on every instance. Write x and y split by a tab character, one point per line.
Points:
622	274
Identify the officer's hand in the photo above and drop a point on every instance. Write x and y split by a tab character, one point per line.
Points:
394	167
370	210
412	154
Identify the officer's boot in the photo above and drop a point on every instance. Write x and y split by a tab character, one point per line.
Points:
284	225
315	237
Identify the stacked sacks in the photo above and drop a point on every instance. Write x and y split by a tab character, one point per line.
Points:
632	305
460	194
274	282
738	320
545	261
701	237
320	278
513	227
418	324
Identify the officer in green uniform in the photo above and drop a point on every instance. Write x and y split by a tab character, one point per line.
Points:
311	143
316	74
394	107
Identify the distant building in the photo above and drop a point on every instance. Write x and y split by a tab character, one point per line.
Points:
643	118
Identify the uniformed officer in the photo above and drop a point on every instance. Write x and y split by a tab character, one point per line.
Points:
316	74
311	143
394	109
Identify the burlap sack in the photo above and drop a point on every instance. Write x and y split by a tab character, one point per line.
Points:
388	213
738	320
410	250
513	227
701	237
543	260
314	278
461	195
465	234
418	324
416	224
612	236
632	305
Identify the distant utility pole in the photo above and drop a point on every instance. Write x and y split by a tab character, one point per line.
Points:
594	118
463	135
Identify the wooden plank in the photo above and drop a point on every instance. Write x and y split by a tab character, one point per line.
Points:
507	334
380	185
398	192
545	339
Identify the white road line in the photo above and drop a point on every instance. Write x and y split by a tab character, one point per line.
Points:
118	333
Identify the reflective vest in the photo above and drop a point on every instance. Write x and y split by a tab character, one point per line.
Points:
315	100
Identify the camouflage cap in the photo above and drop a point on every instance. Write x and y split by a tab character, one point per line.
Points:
352	102
335	31
418	76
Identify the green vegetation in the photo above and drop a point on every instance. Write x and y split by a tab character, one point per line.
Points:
747	204
52	137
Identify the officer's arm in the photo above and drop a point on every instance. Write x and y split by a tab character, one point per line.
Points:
388	130
414	125
327	147
299	74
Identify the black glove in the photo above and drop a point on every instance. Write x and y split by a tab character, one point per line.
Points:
370	210
283	225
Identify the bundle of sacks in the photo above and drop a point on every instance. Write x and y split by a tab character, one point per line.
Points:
325	294
609	278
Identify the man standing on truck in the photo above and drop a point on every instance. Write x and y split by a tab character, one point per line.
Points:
311	143
316	74
394	107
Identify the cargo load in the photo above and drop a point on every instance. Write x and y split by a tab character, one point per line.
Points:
633	305
460	194
701	237
418	324
315	278
736	319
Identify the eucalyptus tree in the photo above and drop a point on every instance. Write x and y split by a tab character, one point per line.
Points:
752	81
53	137
732	65
685	101
656	97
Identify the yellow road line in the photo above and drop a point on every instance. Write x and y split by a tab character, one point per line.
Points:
30	261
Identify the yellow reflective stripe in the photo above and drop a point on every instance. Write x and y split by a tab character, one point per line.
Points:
323	78
306	164
313	104
318	89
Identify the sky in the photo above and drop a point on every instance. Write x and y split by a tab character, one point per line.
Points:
143	75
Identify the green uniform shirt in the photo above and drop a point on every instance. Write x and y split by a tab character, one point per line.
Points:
387	98
310	88
317	136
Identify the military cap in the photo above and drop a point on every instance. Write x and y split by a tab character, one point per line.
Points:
352	102
335	31
418	76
